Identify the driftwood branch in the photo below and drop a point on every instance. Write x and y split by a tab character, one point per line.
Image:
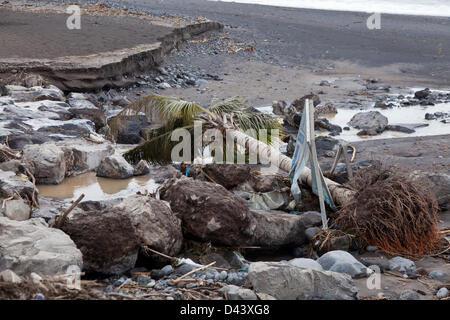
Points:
192	272
61	219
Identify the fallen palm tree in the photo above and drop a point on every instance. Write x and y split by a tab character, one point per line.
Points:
231	116
387	210
393	212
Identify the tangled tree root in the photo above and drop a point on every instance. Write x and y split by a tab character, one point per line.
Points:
393	212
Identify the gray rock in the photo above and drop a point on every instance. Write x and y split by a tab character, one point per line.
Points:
437	274
442	293
311	219
110	238
402	265
286	282
422	94
209	211
372	120
46	161
77	103
10	185
185	268
142	168
409	295
311	232
16	210
343	262
235	259
223	275
167	270
12	165
274	229
115	167
9	276
279	107
337	243
164	85
371	248
84	155
31	246
143	280
305	263
233	292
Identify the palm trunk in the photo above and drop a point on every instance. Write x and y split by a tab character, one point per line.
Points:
340	194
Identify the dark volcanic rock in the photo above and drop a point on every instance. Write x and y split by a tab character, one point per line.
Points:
228	175
106	239
3	91
422	94
131	133
372	120
399	128
110	238
18	141
299	104
277	229
210	212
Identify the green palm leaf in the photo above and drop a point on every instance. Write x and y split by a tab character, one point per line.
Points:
177	113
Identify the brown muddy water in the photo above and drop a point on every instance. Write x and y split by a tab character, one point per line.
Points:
96	188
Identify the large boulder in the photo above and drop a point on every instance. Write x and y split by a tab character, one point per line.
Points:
85	109
111	236
16	210
155	223
228	175
31	246
299	104
132	131
277	229
141	168
46	161
18	141
116	167
11	184
343	262
210	212
83	155
286	282
305	263
371	120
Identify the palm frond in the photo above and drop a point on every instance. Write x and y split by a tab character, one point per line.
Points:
245	119
156	107
158	145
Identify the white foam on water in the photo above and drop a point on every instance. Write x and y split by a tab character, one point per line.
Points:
440	8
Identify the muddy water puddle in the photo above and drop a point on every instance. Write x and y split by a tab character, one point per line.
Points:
412	117
96	188
405	116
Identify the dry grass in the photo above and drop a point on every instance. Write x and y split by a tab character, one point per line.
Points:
392	212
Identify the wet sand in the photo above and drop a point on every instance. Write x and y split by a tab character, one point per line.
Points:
45	35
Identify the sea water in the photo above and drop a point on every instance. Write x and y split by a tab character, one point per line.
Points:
439	8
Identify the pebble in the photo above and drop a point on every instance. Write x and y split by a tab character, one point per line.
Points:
143	280
191	285
442	293
223	275
437	274
371	248
167	270
409	295
402	265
